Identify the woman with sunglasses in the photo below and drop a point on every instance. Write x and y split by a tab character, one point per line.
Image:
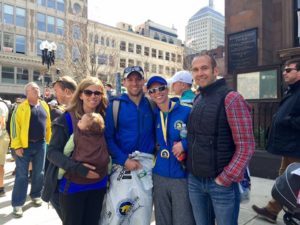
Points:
171	201
82	189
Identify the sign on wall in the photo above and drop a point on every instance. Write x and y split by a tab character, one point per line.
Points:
242	50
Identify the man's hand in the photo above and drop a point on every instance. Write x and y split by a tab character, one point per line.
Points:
91	174
132	164
19	152
177	149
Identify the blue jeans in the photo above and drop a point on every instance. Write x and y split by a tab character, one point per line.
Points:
35	153
211	201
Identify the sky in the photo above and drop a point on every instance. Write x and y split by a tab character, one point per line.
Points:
135	12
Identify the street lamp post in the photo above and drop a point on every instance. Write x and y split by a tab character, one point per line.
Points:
48	53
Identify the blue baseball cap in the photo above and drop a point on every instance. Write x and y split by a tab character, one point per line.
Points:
156	79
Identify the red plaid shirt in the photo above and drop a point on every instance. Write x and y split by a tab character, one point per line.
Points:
240	122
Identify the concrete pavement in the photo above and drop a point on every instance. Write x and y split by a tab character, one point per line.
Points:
46	215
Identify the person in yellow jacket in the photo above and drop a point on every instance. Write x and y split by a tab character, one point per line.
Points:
30	131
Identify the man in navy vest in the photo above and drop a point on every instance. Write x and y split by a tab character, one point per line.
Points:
220	145
284	135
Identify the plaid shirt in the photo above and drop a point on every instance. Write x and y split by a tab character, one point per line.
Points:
240	122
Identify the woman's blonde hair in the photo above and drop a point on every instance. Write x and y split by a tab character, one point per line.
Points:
76	104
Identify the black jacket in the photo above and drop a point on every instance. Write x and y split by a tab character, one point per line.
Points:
210	142
284	135
57	159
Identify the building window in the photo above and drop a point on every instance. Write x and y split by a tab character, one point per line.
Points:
156	36
7	75
153	68
167	70
138	63
160	54
153	53
146	51
8	42
130	47
76	32
20	17
179	58
50	24
20	44
22	76
130	62
41	2
111	61
38	50
107	42
96	39
76	8
164	39
60	5
60	52
122	63
60	26
8	14
51	4
173	57
138	49
161	69
146	67
37	78
41	22
173	71
102	40
297	23
171	41
75	54
167	56
102	59
113	43
123	46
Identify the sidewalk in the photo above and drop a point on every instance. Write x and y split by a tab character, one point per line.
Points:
46	215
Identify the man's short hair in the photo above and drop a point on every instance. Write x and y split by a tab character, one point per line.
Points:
213	62
293	61
66	82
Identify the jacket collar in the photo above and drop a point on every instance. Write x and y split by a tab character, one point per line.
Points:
212	87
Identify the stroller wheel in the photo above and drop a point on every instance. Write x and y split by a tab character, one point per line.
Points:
288	219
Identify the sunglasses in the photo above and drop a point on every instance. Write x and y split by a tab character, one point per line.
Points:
288	69
159	89
89	92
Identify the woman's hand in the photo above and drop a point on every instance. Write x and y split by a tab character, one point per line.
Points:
91	174
19	152
177	149
132	164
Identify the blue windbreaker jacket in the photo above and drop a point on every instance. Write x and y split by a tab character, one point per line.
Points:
134	131
178	115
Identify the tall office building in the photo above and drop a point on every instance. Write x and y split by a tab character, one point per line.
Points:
205	29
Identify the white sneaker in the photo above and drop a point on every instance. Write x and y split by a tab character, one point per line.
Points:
17	211
37	201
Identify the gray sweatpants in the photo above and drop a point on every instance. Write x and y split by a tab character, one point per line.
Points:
171	201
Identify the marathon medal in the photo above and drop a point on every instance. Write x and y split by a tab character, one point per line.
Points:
164	154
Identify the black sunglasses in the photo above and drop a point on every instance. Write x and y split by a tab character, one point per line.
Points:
288	69
89	92
154	90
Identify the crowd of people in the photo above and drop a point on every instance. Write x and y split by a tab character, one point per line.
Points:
202	145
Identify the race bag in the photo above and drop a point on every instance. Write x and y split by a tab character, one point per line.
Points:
245	186
129	197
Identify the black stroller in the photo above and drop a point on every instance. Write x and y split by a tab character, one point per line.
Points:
286	190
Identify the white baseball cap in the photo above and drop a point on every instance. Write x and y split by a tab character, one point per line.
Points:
183	76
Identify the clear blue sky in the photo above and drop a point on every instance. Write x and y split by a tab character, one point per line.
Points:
135	12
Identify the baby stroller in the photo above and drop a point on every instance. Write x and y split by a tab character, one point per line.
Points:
286	190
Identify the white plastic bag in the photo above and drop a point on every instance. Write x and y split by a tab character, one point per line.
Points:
245	187
129	197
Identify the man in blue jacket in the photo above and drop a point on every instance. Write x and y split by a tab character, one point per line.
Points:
135	123
284	135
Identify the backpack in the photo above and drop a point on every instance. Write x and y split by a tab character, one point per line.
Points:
116	109
11	108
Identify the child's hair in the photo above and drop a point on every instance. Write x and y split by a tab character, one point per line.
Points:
96	122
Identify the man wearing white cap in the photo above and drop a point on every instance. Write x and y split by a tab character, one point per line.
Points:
181	84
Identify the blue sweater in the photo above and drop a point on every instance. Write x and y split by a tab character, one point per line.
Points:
135	129
178	114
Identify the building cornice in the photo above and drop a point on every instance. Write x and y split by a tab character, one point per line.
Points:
289	53
19	59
